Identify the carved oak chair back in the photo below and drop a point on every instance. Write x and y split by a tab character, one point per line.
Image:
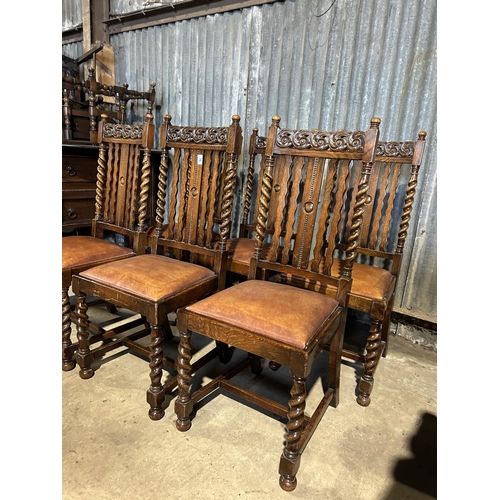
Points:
197	164
308	174
119	226
123	179
376	270
385	228
193	216
390	201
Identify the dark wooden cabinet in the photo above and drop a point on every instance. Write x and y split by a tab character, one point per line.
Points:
79	175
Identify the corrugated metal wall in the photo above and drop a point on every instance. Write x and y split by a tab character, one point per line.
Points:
318	64
71	13
73	50
120	7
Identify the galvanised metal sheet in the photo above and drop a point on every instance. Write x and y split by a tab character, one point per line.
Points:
322	64
73	50
120	7
71	14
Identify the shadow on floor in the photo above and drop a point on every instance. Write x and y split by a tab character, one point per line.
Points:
420	471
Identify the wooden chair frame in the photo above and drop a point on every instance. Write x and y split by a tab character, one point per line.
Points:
375	242
279	342
171	276
122	194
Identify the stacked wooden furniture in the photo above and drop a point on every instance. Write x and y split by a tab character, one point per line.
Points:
83	103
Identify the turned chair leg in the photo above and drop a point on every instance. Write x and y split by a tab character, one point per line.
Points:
156	392
256	365
183	403
224	351
68	348
84	356
290	458
374	348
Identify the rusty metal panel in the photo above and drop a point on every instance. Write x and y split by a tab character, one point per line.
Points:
322	64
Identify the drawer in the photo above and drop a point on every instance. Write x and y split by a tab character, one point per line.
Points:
78	189
79	169
78	212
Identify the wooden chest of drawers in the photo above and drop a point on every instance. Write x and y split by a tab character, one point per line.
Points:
79	175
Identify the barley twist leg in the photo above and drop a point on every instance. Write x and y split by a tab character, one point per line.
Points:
84	356
156	392
372	357
290	458
68	348
183	404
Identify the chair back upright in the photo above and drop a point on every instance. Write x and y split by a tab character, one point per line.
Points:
317	203
256	150
123	180
196	191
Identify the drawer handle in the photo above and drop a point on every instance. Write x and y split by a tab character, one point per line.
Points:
72	213
71	170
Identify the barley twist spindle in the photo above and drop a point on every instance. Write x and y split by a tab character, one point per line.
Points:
227	196
101	173
248	187
145	181
407	209
162	189
357	219
264	201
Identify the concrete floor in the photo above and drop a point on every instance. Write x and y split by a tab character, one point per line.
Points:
111	450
